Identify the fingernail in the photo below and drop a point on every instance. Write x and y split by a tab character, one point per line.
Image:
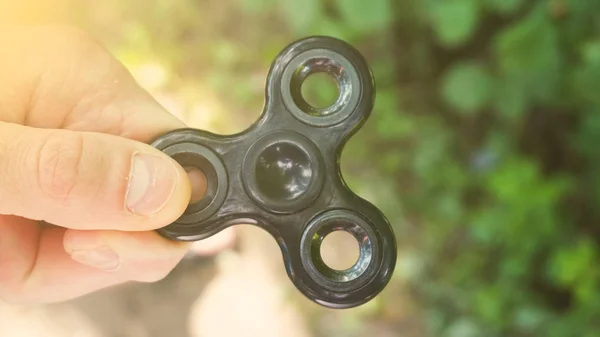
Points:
151	183
102	258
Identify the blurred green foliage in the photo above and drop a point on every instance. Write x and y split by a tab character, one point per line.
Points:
481	149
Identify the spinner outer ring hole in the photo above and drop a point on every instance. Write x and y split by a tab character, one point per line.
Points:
321	61
204	159
293	140
363	269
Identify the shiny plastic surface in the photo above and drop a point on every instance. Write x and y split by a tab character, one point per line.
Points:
283	175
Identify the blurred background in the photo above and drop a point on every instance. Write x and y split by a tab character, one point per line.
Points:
482	151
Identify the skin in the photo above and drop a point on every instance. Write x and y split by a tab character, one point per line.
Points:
77	211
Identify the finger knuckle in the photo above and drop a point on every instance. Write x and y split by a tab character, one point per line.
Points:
59	164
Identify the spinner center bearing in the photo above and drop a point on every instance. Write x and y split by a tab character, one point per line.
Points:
282	174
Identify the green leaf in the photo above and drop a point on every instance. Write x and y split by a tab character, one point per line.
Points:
301	14
366	16
464	327
389	121
529	62
528	57
391	125
504	6
529	318
588	136
467	87
571	265
320	90
511	99
454	21
591	52
391	162
585	79
486	226
586	289
333	28
489	304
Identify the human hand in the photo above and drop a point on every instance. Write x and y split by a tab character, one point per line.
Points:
74	128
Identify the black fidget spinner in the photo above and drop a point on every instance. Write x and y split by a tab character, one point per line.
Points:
282	174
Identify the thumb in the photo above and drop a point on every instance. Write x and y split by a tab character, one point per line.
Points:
85	180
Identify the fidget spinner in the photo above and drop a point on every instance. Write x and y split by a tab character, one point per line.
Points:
283	174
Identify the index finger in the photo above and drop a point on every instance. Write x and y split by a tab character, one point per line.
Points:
58	77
